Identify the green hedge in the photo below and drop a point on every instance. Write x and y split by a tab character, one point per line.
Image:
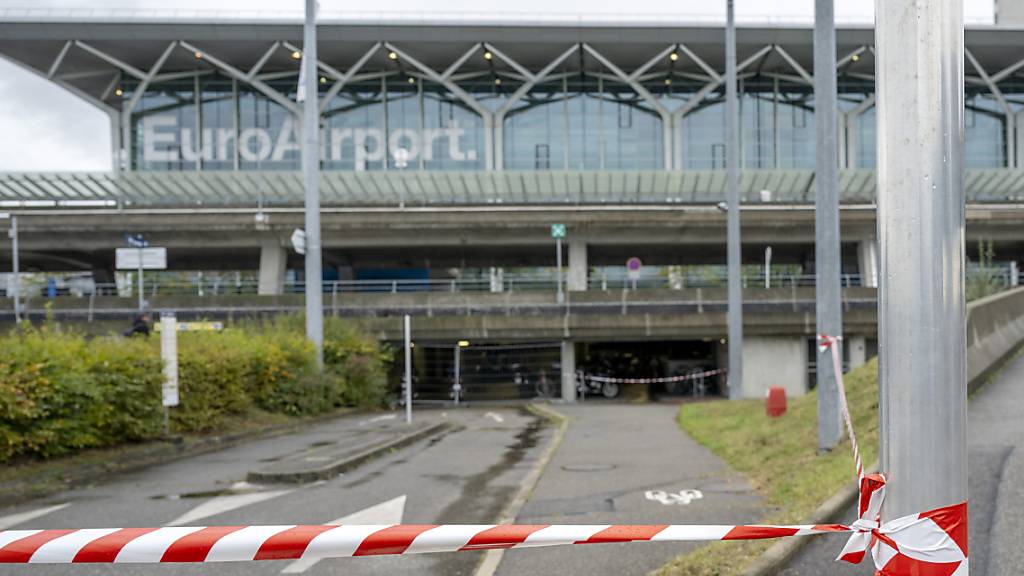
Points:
61	391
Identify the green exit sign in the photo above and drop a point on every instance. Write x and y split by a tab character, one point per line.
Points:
558	230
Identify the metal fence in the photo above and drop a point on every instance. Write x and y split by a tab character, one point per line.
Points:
599	279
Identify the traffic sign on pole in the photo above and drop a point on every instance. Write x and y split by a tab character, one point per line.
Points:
298	239
145	258
558	233
633	266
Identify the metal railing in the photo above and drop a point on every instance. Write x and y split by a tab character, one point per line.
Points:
204	287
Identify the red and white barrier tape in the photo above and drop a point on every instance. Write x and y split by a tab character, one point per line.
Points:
928	544
660	380
932	543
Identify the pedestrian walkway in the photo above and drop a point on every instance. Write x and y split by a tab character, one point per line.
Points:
995	484
628	464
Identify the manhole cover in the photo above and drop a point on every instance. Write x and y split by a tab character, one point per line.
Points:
588	467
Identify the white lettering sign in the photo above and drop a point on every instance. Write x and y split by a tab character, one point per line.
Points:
164	141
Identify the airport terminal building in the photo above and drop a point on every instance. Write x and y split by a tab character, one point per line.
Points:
450	146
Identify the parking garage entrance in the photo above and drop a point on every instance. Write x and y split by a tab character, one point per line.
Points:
472	372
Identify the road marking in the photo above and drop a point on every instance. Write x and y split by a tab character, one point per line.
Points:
222	504
681	498
15	519
494	416
376	419
389	512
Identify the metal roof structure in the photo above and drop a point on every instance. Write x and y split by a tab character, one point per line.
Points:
89	53
449	188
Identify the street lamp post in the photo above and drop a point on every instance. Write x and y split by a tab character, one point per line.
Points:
921	310
311	176
732	164
827	255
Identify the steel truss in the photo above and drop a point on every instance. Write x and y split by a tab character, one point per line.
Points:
672	119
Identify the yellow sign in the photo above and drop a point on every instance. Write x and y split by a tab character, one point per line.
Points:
194	326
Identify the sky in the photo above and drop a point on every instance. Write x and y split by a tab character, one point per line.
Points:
44	128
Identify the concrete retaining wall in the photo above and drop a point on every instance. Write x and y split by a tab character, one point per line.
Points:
995	330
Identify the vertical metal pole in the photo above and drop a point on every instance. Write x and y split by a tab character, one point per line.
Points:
732	127
768	267
16	268
558	264
141	287
827	255
921	316
311	175
457	383
408	369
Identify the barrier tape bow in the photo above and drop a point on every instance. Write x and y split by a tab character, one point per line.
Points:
932	543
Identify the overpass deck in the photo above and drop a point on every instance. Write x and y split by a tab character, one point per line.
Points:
663	314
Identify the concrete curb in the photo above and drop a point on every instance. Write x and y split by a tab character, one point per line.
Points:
492	558
779	554
139	457
334	468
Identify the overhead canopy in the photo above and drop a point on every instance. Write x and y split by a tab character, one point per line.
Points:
449	188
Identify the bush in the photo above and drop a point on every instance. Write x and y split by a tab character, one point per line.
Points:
61	392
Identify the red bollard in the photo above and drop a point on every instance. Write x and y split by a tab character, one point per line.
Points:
775	405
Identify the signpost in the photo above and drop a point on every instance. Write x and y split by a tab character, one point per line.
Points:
406	322
169	354
633	266
457	381
558	232
140	257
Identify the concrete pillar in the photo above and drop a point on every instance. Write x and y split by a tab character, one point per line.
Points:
576	279
857	350
867	262
568	363
774	361
497	276
273	263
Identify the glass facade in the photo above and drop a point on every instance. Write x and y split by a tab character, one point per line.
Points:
572	121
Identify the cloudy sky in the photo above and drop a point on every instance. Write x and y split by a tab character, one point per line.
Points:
42	127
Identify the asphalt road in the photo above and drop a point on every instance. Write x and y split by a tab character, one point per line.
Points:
995	484
465	476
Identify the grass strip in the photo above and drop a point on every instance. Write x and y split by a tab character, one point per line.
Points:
781	460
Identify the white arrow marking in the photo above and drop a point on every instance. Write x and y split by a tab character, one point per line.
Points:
494	416
223	504
389	512
15	519
377	419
